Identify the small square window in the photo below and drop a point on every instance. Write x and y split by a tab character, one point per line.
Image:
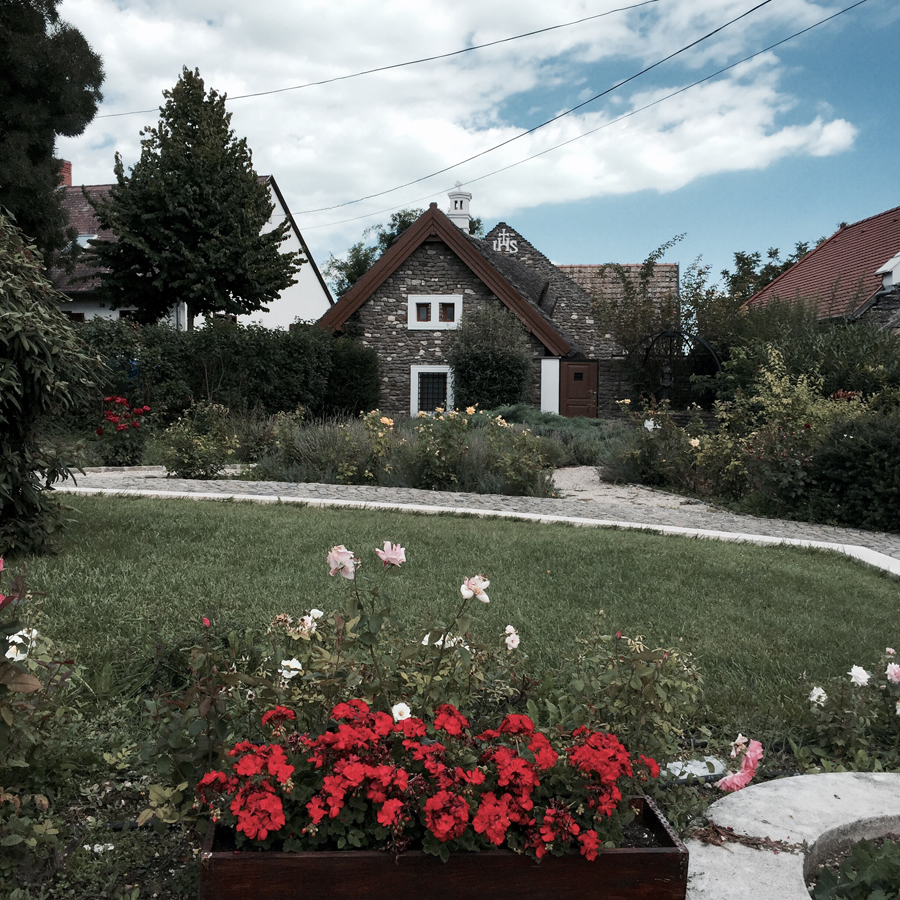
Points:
579	376
433	312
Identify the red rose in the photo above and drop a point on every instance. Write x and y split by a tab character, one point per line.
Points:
99	431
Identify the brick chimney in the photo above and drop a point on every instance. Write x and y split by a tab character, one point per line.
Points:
65	174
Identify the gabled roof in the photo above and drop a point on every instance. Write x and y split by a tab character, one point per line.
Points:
83	278
269	180
431	225
604	280
841	275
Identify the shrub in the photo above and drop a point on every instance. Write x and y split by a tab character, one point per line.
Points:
458	451
242	367
45	370
490	358
649	697
34	683
353	383
199	444
854	477
121	435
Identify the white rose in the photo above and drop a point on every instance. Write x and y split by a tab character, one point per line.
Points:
859	676
400	711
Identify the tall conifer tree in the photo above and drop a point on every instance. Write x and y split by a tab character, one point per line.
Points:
49	85
189	218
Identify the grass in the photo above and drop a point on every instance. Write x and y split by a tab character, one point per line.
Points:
763	622
138	574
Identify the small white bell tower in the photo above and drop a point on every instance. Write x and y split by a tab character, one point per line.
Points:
459	207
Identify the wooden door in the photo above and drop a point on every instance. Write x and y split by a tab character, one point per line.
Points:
578	388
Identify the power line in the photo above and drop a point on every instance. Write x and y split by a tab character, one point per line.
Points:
555	118
627	115
412	62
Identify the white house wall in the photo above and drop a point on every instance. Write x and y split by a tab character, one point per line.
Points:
306	299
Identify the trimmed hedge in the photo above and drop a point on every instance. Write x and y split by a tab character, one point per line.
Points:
236	366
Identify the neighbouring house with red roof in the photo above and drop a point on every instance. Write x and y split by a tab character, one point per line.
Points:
306	299
855	273
435	272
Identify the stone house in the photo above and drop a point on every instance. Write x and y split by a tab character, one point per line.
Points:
436	271
855	273
306	299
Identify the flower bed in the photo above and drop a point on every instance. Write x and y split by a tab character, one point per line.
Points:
619	874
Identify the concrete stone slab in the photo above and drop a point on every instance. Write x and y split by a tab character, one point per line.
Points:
819	812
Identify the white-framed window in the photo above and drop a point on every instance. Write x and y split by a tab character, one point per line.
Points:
433	312
430	387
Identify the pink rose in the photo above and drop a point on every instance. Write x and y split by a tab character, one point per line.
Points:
474	587
340	559
205	622
749	763
890	651
392	555
893	673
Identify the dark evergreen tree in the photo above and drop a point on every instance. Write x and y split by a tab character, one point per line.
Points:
49	85
189	218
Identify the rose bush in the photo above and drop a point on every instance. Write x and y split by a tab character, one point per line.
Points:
121	435
853	721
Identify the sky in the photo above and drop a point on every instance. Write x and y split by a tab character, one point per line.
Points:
777	149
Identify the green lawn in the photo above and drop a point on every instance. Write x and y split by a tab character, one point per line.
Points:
763	622
136	577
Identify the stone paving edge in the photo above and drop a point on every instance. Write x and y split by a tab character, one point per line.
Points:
864	554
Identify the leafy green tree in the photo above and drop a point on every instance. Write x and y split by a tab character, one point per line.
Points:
44	370
751	274
342	274
49	85
189	220
490	358
635	311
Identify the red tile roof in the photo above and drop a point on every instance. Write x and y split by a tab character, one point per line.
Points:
839	275
83	219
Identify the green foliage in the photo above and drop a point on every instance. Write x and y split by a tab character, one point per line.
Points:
848	356
637	312
199	444
648	697
854	479
241	367
44	370
50	86
782	447
354	382
870	872
194	180
458	451
751	275
34	688
490	357
121	436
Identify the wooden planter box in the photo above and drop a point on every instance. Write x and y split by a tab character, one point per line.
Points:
658	873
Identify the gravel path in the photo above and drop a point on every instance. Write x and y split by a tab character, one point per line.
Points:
581	495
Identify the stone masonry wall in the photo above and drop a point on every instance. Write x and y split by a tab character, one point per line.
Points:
381	322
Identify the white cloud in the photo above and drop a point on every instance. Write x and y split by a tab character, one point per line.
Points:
333	143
